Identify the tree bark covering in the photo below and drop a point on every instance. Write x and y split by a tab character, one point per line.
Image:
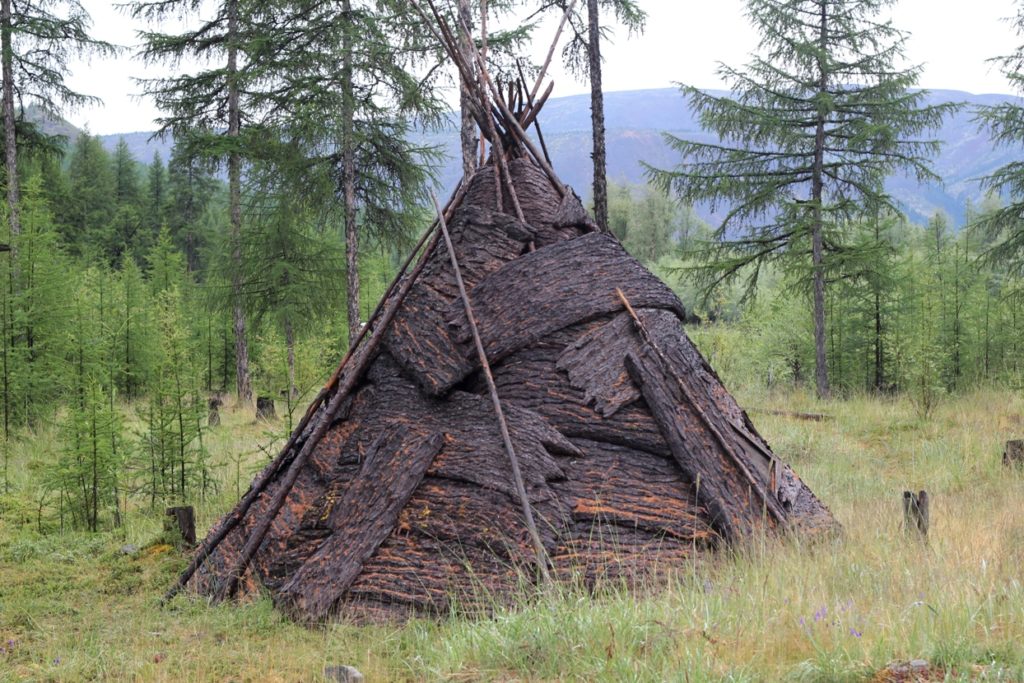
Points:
632	459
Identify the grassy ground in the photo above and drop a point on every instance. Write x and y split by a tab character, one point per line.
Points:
74	607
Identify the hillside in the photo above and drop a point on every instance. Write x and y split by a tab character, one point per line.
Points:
637	119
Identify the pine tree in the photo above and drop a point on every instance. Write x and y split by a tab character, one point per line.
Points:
818	120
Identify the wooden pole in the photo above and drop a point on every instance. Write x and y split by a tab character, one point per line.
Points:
517	476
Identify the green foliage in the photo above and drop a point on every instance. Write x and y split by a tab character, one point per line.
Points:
172	462
824	66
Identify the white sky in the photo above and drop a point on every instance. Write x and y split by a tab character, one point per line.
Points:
683	42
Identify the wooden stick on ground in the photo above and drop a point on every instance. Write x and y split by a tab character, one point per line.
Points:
517	476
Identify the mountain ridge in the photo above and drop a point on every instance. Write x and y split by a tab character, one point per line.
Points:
637	120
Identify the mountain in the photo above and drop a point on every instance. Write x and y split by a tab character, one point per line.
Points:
637	119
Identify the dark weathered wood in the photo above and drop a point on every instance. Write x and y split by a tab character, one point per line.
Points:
419	338
571	214
594	364
521	302
810	417
361	520
214	404
733	507
182	523
1013	454
529	379
539	202
632	489
916	514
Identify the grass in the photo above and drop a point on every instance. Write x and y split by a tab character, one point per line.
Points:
74	607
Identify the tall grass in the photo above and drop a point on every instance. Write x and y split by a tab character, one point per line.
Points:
76	608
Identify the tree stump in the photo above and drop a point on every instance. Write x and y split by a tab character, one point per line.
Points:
343	674
1013	455
182	520
915	513
214	418
265	408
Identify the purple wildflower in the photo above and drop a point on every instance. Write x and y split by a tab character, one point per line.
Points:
855	633
821	613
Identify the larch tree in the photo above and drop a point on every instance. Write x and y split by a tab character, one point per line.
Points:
815	123
582	54
206	112
37	39
351	124
1004	122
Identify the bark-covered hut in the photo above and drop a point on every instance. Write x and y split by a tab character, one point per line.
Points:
399	491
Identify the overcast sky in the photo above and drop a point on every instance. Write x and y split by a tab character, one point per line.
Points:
684	41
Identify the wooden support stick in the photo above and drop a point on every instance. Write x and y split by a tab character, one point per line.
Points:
551	50
771	503
282	461
515	128
517	476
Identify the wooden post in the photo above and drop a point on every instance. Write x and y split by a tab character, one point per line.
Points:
1014	453
916	513
183	520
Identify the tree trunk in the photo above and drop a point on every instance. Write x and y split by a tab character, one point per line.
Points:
348	174
10	141
242	382
289	340
817	228
597	117
468	136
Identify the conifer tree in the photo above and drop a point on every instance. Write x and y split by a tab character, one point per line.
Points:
88	216
340	86
156	194
582	54
1004	123
191	189
128	232
205	111
37	38
817	121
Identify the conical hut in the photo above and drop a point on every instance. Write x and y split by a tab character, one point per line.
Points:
525	405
